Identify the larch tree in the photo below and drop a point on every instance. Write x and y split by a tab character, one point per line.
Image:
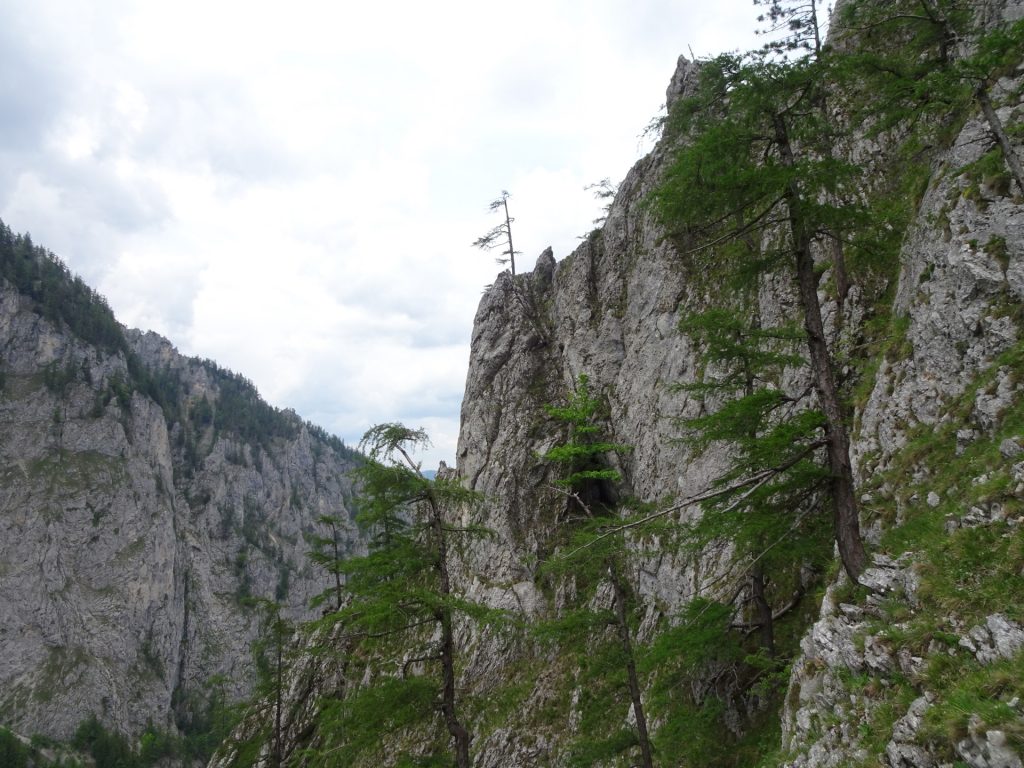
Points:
400	606
926	61
748	167
500	236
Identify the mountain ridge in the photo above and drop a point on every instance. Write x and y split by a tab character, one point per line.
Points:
146	496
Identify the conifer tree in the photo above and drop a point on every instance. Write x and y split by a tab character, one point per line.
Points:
327	553
500	236
399	597
792	26
595	558
746	170
925	61
770	434
272	666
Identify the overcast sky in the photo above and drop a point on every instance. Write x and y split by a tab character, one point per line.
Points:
292	189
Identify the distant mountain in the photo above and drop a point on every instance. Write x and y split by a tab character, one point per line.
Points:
145	499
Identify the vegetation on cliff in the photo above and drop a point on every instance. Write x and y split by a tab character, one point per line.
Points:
766	191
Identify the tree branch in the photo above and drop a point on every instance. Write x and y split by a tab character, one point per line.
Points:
752	483
410	662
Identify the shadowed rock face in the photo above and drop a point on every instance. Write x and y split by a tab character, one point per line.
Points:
131	532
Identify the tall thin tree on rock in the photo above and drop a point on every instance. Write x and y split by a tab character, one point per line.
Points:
500	236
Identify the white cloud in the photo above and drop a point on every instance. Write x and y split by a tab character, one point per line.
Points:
293	192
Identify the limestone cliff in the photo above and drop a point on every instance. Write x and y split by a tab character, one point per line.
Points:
920	665
143	497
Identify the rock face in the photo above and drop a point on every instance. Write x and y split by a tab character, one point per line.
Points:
611	310
132	531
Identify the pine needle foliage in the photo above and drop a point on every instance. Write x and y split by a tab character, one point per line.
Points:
397	615
599	629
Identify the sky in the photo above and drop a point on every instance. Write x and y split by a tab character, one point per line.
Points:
293	190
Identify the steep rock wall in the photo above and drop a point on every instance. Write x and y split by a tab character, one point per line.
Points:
131	532
858	693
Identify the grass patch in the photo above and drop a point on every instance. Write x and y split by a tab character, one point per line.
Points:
970	689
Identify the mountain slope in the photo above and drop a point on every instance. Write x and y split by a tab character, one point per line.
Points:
143	497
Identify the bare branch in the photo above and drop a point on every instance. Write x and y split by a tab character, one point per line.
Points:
755	482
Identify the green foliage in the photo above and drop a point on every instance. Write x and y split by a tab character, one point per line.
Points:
107	749
917	79
584	453
156	745
598	637
792	27
329	552
770	435
971	689
204	718
13	754
356	726
393	599
56	378
699	647
58	296
728	178
965	574
204	721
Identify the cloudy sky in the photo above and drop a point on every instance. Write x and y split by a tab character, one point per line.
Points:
292	189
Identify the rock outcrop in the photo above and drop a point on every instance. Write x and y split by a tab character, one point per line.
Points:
936	418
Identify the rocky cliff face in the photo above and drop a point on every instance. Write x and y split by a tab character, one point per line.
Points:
133	531
885	675
918	666
938	448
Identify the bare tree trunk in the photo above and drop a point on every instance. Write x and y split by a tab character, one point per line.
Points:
845	513
643	737
764	619
996	126
444	616
508	231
